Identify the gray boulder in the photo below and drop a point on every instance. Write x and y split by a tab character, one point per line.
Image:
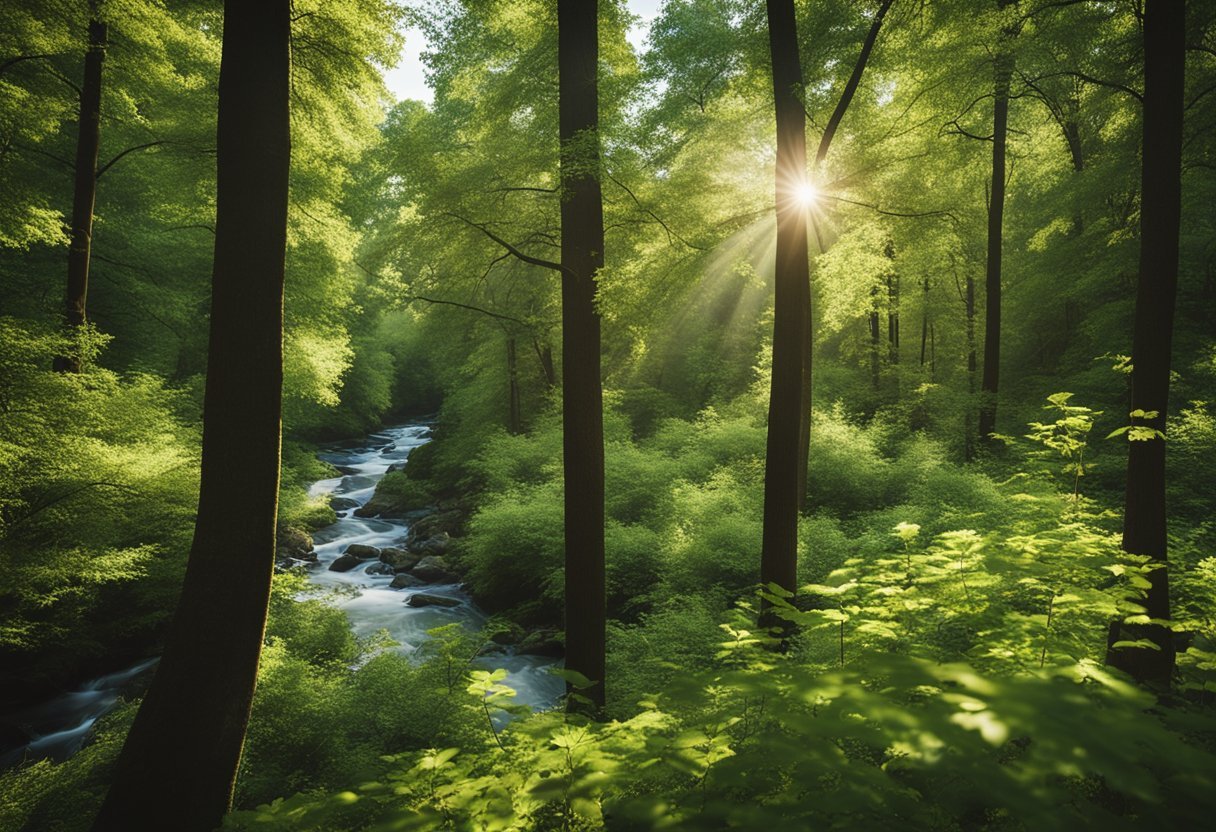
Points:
404	580
399	559
433	569
361	551
344	563
378	568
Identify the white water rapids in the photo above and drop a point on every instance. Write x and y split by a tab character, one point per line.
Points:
59	727
377	607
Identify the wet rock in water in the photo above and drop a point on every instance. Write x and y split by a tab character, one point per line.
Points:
345	563
435	545
424	599
404	580
342	503
378	568
362	551
542	643
434	569
396	466
399	559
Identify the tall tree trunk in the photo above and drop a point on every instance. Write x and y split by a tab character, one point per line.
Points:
84	193
1002	71
892	308
1072	136
582	216
181	756
1144	520
544	354
513	418
924	322
969	301
932	352
875	338
791	279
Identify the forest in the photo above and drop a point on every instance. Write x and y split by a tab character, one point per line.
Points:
684	414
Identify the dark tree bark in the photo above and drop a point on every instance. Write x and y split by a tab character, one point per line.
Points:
513	419
875	339
582	216
932	351
893	318
84	193
1002	72
850	87
1144	520
779	552
1072	135
969	304
892	308
180	759
544	354
924	322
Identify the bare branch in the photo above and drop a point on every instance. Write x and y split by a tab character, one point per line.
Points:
1089	79
18	59
670	234
959	130
525	188
535	261
850	88
470	307
117	158
885	213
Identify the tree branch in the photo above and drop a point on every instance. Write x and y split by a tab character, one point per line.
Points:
1089	79
850	88
119	157
670	234
470	307
525	188
908	214
18	59
516	253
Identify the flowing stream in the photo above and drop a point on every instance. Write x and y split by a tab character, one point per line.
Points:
57	728
376	606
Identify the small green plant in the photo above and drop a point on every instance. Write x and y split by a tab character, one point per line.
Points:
1066	436
495	698
1138	433
907	533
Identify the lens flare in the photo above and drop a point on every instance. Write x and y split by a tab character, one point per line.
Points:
806	193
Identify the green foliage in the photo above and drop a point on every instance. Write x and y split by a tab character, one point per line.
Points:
97	490
930	744
405	491
1066	436
945	670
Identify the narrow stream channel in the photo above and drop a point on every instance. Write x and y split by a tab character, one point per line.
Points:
59	727
379	607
